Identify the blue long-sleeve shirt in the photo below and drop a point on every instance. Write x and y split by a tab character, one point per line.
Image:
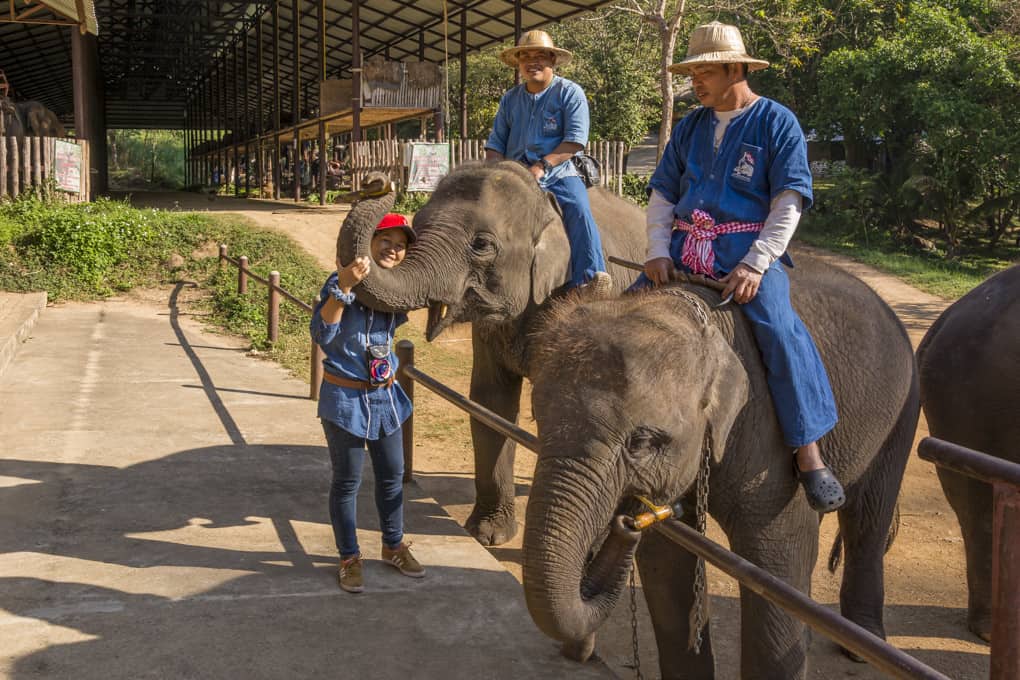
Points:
529	126
374	413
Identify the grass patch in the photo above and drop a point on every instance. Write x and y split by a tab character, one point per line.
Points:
841	230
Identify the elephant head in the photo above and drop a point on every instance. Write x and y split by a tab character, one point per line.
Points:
628	396
10	120
490	244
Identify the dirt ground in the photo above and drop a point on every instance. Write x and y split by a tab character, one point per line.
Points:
925	574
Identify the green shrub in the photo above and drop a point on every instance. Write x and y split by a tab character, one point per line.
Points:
409	203
635	188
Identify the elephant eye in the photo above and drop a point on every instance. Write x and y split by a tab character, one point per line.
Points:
647	440
483	244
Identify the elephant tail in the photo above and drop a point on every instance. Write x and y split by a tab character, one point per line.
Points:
836	553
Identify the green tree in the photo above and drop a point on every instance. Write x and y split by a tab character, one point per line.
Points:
942	99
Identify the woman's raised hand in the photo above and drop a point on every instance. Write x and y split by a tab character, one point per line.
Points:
354	273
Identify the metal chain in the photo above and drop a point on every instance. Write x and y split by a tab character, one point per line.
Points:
633	623
697	616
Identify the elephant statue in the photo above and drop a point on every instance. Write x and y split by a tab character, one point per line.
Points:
39	120
969	363
491	250
10	120
663	394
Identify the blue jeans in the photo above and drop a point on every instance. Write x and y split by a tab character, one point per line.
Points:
347	454
583	234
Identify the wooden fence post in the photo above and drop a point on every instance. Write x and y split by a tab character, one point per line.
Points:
223	255
242	275
3	166
405	355
1005	582
274	307
15	168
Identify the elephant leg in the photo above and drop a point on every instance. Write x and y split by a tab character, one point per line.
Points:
971	500
864	525
773	644
667	579
493	521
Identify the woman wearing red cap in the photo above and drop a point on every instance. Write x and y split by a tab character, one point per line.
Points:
360	404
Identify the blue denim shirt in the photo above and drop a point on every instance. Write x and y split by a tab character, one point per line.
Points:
763	153
529	126
371	414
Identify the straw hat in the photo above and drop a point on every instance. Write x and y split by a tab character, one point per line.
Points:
535	40
716	43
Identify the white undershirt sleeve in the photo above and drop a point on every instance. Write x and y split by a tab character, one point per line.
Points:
660	225
784	215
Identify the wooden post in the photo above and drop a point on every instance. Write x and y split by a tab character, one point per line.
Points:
247	124
235	137
297	160
223	255
405	357
3	166
260	125
323	163
517	36
355	71
242	275
15	167
273	332
463	74
1005	582
89	108
37	176
26	164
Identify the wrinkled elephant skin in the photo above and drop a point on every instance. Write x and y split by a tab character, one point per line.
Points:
632	395
970	391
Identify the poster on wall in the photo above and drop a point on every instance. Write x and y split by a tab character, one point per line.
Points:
429	164
67	166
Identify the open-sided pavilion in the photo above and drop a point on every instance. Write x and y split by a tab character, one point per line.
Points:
244	76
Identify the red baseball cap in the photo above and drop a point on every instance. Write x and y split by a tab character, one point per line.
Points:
396	221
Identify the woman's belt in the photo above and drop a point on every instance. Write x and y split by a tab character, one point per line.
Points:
697	254
354	384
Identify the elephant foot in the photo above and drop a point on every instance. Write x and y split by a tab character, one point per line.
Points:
579	650
492	527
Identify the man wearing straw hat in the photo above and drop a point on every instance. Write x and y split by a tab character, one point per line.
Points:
725	200
543	123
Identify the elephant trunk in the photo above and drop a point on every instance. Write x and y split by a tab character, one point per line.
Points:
400	289
568	596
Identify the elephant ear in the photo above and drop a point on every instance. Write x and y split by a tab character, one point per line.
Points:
727	391
550	266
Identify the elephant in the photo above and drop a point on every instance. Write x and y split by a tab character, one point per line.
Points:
663	394
10	120
491	250
39	120
969	363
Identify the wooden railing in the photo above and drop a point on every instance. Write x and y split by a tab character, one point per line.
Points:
28	164
387	155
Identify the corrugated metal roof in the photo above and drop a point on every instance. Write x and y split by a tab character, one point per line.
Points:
69	8
156	53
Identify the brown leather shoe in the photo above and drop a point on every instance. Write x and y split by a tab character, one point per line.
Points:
403	560
350	576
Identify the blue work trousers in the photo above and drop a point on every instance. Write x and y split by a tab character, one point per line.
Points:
801	394
585	242
347	453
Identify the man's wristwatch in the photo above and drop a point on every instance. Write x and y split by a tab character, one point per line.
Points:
546	166
340	296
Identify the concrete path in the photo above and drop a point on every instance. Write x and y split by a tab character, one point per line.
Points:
18	314
163	515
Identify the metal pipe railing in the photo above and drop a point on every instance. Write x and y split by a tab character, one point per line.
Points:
880	653
1004	478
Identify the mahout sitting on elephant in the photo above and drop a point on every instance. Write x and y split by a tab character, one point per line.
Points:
491	250
969	363
662	394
